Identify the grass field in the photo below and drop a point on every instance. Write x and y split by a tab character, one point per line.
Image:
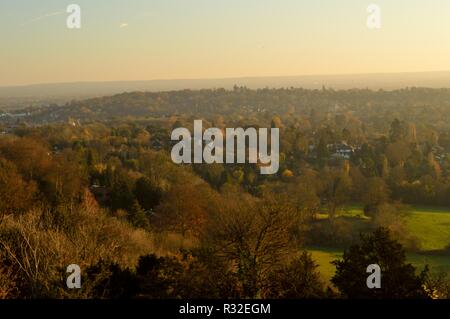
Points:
431	225
324	257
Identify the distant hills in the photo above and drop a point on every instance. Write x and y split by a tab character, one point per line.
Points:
14	96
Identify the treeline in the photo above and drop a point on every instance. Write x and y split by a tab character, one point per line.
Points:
374	108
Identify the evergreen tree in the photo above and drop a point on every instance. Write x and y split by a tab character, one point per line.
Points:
398	279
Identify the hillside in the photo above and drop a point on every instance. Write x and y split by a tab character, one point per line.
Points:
21	96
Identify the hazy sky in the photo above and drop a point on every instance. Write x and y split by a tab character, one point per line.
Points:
167	39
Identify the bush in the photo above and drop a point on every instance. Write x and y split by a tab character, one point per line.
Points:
298	280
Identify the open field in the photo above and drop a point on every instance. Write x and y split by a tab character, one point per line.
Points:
324	257
430	224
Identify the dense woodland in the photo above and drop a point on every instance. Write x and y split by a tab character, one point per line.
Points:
91	183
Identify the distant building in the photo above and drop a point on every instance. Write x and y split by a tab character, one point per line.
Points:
343	150
337	150
439	154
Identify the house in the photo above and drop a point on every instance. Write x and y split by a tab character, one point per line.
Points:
337	150
343	150
439	154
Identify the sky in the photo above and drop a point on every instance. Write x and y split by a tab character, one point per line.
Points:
186	39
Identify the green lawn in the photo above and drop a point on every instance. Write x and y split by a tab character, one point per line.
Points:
431	225
437	263
324	257
354	211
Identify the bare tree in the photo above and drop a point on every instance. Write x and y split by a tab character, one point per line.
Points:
254	237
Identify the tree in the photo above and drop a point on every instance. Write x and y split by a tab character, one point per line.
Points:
322	151
337	186
148	194
185	208
398	279
276	122
137	216
256	237
367	160
30	155
399	131
109	280
376	193
66	180
122	196
298	280
397	153
37	247
205	276
393	217
158	276
16	195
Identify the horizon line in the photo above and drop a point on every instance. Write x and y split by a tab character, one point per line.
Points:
221	78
